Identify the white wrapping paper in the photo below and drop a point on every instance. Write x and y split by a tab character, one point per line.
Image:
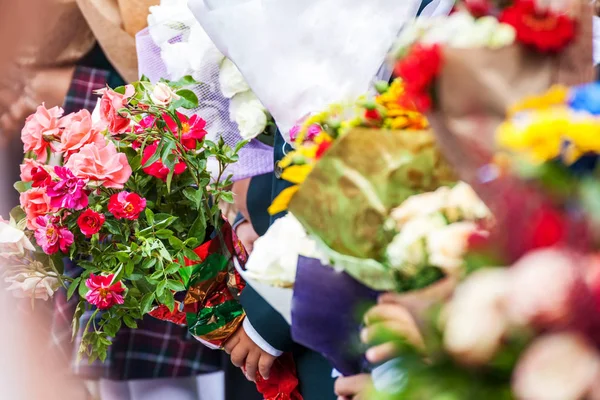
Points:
298	56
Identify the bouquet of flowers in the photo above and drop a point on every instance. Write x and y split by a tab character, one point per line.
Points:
466	69
353	165
126	193
549	140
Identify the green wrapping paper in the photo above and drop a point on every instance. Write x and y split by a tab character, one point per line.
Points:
347	198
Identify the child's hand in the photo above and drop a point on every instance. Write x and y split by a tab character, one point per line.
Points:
352	387
248	355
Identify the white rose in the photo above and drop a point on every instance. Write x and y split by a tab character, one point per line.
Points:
13	241
541	291
169	19
503	36
33	284
231	80
163	95
447	246
412	32
251	120
408	248
463	203
176	59
557	366
449	27
205	56
275	255
475	320
419	205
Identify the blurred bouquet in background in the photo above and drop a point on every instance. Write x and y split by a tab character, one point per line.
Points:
126	193
466	69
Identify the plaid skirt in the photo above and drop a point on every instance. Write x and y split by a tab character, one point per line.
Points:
156	349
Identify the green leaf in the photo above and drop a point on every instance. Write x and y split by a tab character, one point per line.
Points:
175	285
164	233
187	80
112	227
157	274
176	243
144	78
76	318
72	287
129	267
172	268
188	99
198	228
83	290
22	186
170	178
149	216
169	300
154	157
227	197
160	289
130	322
147	303
164	252
191	255
186	273
239	145
149	263
194	195
17	214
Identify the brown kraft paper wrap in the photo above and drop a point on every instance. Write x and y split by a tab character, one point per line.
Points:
104	19
135	14
477	86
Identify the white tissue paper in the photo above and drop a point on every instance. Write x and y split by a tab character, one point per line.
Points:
298	56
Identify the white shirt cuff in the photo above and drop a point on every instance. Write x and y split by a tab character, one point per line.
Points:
258	340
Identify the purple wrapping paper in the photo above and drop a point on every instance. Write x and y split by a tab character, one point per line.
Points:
326	313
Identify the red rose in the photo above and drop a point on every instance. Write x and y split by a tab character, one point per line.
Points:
372	115
126	205
90	222
158	169
545	30
419	68
323	147
478	8
548	228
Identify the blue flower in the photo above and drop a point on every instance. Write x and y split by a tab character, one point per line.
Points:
586	98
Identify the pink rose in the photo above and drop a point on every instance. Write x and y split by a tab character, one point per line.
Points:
29	169
542	289
104	166
557	366
110	104
39	131
77	132
36	203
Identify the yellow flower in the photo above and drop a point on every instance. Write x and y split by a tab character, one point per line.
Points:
557	95
282	201
541	140
585	135
296	173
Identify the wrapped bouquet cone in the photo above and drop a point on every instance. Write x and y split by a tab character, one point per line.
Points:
104	19
347	198
135	14
477	86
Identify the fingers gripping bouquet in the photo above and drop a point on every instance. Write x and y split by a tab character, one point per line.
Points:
126	192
